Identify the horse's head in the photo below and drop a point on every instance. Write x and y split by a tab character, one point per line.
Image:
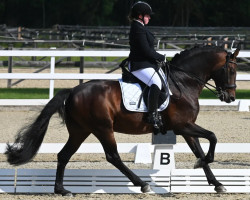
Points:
225	78
202	64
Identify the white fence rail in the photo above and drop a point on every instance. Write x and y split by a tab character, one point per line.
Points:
243	105
142	151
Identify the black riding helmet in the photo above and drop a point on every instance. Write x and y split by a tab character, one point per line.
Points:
140	8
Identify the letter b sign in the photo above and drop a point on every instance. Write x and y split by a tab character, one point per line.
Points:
164	157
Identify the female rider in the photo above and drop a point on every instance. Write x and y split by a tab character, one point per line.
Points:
143	58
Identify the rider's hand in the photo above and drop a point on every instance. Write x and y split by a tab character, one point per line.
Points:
161	64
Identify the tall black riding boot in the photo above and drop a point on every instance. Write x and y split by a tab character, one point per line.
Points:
153	97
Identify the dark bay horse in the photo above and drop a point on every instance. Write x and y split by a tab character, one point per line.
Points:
96	107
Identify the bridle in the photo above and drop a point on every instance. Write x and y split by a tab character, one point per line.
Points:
230	86
226	75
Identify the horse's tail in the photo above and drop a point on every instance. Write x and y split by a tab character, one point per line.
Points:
29	138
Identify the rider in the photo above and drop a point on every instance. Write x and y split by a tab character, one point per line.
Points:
143	58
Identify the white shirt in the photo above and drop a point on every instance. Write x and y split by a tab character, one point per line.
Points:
138	21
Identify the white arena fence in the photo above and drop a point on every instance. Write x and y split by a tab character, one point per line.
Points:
243	105
162	181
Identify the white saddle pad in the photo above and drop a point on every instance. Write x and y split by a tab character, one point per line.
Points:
131	93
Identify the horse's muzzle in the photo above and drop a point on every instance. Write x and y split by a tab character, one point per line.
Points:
225	96
232	98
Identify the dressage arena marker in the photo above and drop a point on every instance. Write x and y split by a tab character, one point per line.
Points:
164	150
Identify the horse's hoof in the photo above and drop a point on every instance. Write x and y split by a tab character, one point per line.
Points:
220	189
198	164
64	193
146	188
69	194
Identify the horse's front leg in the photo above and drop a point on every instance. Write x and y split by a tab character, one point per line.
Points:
195	146
195	131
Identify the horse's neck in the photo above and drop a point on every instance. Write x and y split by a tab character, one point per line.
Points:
191	76
199	66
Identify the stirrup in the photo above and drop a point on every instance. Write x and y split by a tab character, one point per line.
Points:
154	118
156	125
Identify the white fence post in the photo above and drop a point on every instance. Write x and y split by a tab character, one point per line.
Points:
52	71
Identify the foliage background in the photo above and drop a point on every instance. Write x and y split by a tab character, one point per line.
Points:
196	13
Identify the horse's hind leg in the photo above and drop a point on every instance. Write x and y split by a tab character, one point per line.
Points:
112	156
76	137
195	146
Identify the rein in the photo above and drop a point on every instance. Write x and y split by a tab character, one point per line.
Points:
192	75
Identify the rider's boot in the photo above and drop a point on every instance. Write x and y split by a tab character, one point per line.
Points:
154	117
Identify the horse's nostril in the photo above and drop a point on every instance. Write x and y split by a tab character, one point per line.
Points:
232	98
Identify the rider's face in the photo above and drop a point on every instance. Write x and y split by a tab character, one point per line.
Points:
146	18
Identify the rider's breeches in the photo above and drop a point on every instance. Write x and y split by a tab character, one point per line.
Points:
148	76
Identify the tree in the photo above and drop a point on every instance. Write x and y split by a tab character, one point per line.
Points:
46	13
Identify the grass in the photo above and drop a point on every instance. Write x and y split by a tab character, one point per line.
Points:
25	93
240	94
43	93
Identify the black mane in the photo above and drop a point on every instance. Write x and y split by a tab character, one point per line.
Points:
194	50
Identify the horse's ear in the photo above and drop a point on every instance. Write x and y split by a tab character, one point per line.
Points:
236	53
